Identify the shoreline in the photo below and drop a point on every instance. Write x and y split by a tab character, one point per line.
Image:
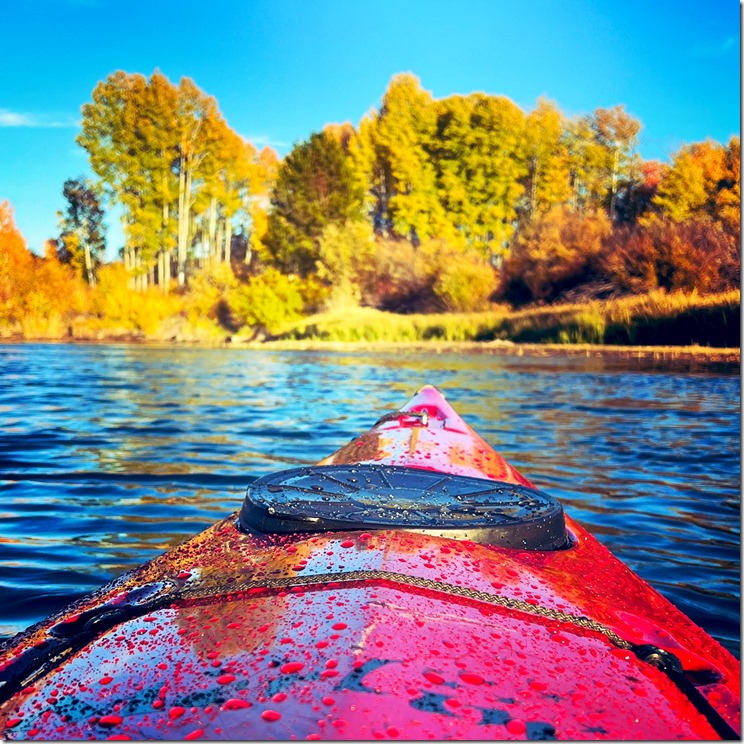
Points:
507	348
693	353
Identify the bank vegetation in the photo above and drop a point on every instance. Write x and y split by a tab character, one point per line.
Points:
461	218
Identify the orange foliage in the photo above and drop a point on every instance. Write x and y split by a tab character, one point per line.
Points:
553	254
697	254
37	295
16	263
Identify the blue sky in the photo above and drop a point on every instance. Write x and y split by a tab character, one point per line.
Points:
281	69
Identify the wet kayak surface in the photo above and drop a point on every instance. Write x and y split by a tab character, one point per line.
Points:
111	454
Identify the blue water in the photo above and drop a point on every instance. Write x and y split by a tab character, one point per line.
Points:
111	454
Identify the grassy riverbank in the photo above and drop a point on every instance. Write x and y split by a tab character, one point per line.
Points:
653	319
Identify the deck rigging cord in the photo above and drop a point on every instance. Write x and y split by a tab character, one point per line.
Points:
41	658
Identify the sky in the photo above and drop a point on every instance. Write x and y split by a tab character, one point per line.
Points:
282	69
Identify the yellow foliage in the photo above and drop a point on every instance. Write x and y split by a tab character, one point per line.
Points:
466	283
114	301
269	300
346	257
207	287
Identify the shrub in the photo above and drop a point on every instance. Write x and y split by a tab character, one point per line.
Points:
629	260
346	262
397	281
554	253
117	304
268	300
695	255
207	289
465	284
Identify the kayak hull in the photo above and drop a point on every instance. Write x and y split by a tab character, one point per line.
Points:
385	634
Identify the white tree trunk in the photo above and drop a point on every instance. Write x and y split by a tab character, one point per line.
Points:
89	267
212	245
228	241
183	222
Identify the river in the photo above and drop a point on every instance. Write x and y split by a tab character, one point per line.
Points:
111	454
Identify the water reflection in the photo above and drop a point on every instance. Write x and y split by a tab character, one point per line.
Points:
110	454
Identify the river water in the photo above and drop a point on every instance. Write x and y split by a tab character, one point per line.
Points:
111	454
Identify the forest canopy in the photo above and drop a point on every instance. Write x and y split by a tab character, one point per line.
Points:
425	205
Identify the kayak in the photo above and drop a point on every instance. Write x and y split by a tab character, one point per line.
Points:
412	585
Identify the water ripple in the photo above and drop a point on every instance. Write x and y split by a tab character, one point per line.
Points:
111	454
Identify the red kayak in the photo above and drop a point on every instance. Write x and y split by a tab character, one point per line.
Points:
413	585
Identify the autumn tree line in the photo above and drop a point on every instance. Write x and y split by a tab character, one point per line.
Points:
428	204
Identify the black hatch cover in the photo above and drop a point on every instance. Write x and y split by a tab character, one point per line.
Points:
323	498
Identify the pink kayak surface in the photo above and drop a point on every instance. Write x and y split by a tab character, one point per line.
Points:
373	634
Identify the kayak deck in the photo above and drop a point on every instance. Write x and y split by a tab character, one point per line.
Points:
378	634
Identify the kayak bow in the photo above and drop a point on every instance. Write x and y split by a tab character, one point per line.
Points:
413	585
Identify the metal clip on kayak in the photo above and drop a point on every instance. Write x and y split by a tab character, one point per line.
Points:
667	662
397	415
381	497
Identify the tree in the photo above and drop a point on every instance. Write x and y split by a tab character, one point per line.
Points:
637	199
481	161
16	265
703	182
166	155
403	134
82	238
108	135
256	200
548	180
369	172
227	170
197	123
728	197
587	159
617	133
315	187
346	261
156	126
36	294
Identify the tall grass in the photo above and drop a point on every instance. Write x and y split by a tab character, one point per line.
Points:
367	324
657	318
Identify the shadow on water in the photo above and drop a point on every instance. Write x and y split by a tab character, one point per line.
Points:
111	454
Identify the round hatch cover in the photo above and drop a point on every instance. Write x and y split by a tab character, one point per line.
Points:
368	497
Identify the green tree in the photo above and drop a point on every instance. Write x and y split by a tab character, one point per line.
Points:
617	133
587	160
346	261
157	149
82	238
479	153
268	300
494	169
108	135
315	187
158	210
370	173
